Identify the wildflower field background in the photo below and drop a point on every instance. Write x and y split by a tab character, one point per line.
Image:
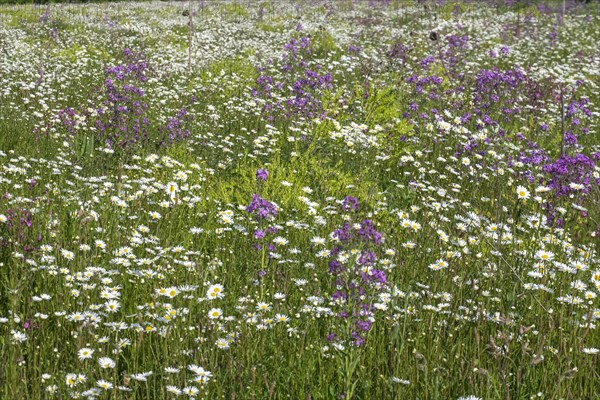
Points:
302	200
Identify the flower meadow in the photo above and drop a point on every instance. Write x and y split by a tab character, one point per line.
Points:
303	200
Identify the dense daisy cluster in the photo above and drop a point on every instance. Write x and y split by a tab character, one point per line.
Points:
352	199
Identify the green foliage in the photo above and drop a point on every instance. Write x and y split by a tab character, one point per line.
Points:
381	106
454	9
234	10
270	27
323	42
239	66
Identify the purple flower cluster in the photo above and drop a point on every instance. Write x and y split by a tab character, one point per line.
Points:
350	203
68	119
426	89
426	62
20	231
533	157
456	53
574	112
262	175
301	88
358	285
423	83
354	50
137	67
398	53
495	89
261	208
121	119
567	170
176	128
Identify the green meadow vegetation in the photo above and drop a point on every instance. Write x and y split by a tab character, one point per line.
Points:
300	200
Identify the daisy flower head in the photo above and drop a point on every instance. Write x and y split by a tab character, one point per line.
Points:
181	176
261	306
106	362
190	391
171	188
279	296
544	255
438	265
85	353
112	306
142	377
195	369
222	344
280	241
69	255
402	381
18	337
215	313
204	375
71	380
523	193
318	241
281	318
172	292
174	390
215	292
102	384
589	295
